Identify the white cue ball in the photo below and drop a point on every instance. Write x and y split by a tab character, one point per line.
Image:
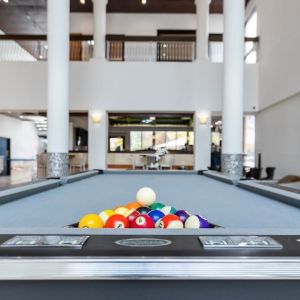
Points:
145	196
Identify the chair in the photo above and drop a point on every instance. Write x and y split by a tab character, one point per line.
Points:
254	173
167	162
78	161
135	164
270	173
41	160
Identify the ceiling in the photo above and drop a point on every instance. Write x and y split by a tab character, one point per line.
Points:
30	16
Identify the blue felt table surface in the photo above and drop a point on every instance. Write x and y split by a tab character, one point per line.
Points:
221	203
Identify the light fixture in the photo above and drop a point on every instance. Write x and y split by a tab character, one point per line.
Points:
203	119
82	1
96	118
144	2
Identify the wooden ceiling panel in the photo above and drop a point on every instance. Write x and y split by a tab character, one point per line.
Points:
30	16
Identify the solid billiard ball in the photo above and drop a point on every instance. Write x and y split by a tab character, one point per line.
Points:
105	214
145	196
133	205
170	222
143	210
196	221
121	211
142	221
168	210
91	221
133	215
156	215
157	205
117	221
182	214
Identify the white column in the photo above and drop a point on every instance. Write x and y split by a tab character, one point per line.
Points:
232	144
58	87
202	33
202	141
99	28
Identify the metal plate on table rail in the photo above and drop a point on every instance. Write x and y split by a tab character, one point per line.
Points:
143	242
238	242
62	241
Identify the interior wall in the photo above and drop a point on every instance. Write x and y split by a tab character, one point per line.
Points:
278	138
104	86
278	122
142	24
23	137
278	28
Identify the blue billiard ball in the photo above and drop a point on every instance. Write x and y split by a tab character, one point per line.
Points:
156	215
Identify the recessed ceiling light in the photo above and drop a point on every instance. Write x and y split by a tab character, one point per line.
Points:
144	2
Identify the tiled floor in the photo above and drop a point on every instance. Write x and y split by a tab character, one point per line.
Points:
23	172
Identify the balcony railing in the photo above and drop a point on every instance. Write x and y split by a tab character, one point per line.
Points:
150	48
122	48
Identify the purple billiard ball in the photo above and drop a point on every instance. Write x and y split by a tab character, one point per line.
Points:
196	221
182	214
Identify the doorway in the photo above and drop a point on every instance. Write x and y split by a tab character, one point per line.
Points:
5	156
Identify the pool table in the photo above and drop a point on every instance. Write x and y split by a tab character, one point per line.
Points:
183	267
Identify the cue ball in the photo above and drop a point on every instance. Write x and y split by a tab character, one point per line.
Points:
142	221
145	196
156	215
90	221
168	210
117	221
182	214
170	222
196	221
105	214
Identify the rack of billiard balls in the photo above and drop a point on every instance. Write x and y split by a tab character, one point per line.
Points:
145	212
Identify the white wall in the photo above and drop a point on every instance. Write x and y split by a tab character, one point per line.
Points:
23	136
125	86
278	137
278	26
142	24
97	86
278	123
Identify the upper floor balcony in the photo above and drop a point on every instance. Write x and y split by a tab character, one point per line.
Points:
122	48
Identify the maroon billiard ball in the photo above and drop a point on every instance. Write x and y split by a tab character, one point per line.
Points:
142	221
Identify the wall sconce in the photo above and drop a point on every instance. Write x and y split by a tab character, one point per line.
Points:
96	118
203	120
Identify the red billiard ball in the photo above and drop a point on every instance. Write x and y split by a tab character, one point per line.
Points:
132	216
142	221
117	221
170	222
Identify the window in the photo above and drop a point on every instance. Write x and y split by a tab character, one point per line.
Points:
116	144
172	140
135	140
147	140
249	141
251	32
